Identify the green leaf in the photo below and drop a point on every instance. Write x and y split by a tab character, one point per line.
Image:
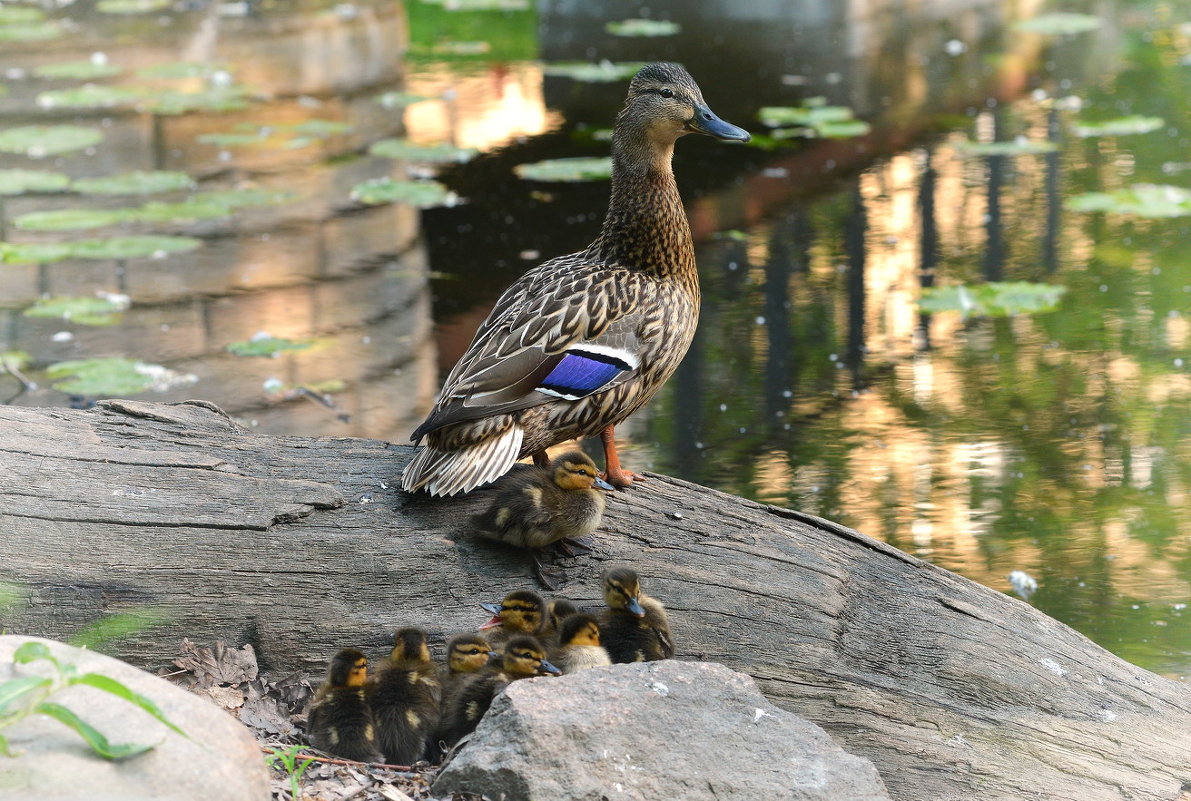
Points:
182	69
5	750
266	346
992	299
322	129
33	253
1059	24
34	652
113	687
643	27
844	129
110	376
131	247
422	194
482	5
84	311
71	219
86	70
30	32
1121	126
232	139
134	183
569	169
18	182
603	72
39	141
409	151
1144	200
13	15
15	689
399	99
93	737
89	95
12	594
169	102
131	6
1016	147
803	115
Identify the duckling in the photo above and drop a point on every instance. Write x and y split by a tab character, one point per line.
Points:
634	627
579	645
405	699
557	610
467	655
520	612
538	507
340	721
524	657
580	342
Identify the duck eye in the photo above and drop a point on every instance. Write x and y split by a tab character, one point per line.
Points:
666	92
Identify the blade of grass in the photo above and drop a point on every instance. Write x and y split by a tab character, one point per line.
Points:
94	738
110	685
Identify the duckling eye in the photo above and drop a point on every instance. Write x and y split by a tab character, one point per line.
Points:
666	92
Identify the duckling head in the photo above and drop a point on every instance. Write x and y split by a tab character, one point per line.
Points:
524	656
409	645
622	589
574	470
467	653
558	610
349	668
664	103
579	629
521	610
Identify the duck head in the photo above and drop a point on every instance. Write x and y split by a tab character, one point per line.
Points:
525	656
468	653
409	645
622	590
520	610
349	668
664	103
579	629
575	470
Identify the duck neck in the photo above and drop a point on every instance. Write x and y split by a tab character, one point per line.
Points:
646	228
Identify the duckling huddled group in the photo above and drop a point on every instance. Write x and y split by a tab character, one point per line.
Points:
413	709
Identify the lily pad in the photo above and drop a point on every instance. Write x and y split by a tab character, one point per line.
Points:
232	139
39	141
33	252
603	72
322	129
135	183
16	15
87	70
1017	147
89	95
131	6
264	345
70	219
643	27
993	299
1059	24
410	151
206	206
18	182
172	103
1144	200
399	99
482	5
115	376
569	169
182	69
30	32
422	194
132	247
12	360
105	310
815	119
1121	126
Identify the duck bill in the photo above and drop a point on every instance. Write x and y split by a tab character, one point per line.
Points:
636	608
604	485
549	669
705	122
495	657
491	624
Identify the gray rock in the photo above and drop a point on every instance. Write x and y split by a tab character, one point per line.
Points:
223	761
660	731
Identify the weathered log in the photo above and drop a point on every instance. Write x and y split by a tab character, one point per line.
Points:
303	546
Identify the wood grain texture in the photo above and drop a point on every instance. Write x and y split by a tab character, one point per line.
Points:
303	546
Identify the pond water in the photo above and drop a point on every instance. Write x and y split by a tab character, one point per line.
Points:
992	432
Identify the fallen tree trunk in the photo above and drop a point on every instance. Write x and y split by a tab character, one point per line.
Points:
302	546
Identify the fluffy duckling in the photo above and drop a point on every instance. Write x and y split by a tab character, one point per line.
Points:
557	610
538	507
634	627
519	612
524	657
405	699
579	645
340	721
466	655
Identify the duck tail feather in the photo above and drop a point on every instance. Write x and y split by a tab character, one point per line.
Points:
451	472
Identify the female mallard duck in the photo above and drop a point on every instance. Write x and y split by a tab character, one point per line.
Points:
579	645
524	657
539	507
340	721
405	699
519	612
634	627
582	341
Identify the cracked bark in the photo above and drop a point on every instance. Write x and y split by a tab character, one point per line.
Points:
302	546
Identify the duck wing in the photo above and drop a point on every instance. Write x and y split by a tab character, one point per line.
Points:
567	329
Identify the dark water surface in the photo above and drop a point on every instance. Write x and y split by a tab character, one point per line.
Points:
1056	443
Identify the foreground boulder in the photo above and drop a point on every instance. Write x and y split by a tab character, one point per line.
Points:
657	730
222	761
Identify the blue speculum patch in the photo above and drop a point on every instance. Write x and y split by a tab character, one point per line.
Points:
577	376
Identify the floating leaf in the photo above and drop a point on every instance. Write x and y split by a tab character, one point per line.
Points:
87	70
115	376
1017	147
422	194
182	69
131	6
202	206
84	311
404	149
569	169
18	182
33	253
134	183
16	15
70	219
222	98
399	99
89	95
482	5
603	72
1059	24
131	247
643	27
11	360
30	32
1144	200
233	139
815	118
1122	126
93	737
39	141
264	345
993	299
322	129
